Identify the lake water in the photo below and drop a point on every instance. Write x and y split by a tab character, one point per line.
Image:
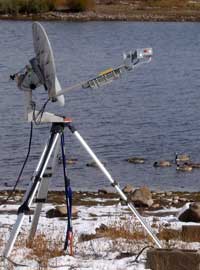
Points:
152	112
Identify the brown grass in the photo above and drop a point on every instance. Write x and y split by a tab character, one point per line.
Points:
169	234
125	229
167	4
43	249
80	5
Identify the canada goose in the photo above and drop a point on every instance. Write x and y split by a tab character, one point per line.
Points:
70	161
193	165
182	157
93	164
184	168
162	163
136	160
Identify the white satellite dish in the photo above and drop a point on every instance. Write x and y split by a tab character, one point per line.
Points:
45	59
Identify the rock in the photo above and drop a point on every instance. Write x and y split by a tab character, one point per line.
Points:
172	259
156	206
167	224
175	201
176	198
102	227
135	160
168	193
183	199
128	189
102	191
60	211
192	214
142	197
161	194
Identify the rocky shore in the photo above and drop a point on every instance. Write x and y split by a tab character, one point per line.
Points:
160	199
152	15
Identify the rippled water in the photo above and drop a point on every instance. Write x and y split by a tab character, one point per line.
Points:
151	112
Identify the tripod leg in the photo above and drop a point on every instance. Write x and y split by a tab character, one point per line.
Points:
115	184
31	192
43	191
20	217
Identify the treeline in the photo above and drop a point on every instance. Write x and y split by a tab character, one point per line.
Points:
26	6
15	7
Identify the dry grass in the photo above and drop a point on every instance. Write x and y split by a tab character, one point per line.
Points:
80	5
125	229
43	249
169	234
167	4
125	233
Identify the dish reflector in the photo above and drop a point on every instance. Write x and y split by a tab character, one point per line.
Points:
45	58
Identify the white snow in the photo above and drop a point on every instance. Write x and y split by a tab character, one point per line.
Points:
99	253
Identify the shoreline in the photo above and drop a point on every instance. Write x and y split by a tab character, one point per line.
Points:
161	199
137	16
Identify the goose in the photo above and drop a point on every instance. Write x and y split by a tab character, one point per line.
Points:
193	165
184	168
182	157
162	163
136	160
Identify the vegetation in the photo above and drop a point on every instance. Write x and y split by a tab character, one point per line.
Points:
80	5
43	249
15	7
167	4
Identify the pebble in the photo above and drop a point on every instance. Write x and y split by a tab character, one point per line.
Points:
156	205
183	200
128	189
102	191
175	201
168	193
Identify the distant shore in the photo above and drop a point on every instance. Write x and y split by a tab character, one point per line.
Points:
147	15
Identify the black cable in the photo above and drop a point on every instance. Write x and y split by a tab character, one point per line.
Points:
23	166
12	262
37	118
140	252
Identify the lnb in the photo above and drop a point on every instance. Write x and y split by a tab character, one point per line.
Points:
132	58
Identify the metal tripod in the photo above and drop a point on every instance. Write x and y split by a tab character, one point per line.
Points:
40	182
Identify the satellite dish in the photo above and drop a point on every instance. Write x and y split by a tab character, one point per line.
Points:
41	70
46	64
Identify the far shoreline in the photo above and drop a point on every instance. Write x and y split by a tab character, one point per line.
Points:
145	16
